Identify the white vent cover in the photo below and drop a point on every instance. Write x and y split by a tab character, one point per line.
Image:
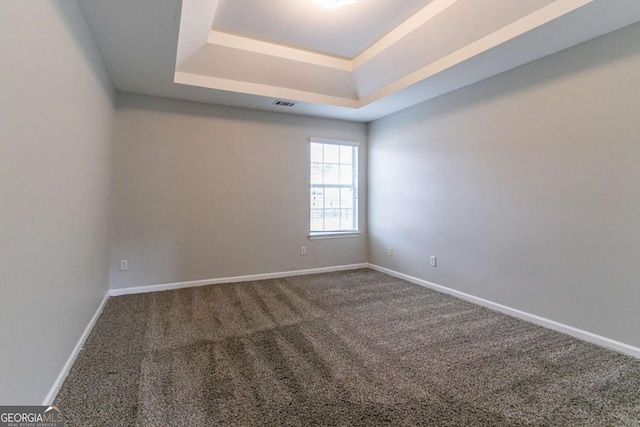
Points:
284	103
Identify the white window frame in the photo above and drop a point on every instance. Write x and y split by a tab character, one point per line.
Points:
314	235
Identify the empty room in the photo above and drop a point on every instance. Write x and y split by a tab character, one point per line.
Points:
320	212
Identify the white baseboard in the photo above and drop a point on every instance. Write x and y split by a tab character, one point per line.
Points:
236	279
541	321
74	354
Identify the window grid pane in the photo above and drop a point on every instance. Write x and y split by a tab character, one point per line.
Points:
334	190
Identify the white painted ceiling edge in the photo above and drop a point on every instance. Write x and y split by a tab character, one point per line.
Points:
408	48
416	80
424	15
145	43
370	83
195	24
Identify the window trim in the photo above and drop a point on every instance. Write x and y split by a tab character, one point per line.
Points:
321	235
334	142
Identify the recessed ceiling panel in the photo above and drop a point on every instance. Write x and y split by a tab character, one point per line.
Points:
411	63
306	24
238	65
461	24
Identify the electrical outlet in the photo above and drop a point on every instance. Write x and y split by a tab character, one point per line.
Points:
303	250
433	261
390	251
124	265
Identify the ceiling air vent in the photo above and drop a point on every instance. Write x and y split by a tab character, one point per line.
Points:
284	103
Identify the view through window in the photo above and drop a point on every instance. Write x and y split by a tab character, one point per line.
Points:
334	186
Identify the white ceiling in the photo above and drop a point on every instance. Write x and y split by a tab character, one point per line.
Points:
306	24
359	62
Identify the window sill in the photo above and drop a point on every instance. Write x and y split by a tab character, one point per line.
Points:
334	235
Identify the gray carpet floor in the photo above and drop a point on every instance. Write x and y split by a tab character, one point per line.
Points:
354	348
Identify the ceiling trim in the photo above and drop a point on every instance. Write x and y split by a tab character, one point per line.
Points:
272	49
527	23
262	90
196	16
427	13
511	31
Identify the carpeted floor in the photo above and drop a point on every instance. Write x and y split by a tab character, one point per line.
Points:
349	348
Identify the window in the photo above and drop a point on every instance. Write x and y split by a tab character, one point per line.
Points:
334	187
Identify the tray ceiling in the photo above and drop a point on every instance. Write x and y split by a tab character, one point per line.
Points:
357	62
306	24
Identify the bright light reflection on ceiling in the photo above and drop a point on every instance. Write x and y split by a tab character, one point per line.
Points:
332	4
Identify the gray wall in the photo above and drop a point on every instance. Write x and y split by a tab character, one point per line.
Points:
56	111
207	192
526	186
